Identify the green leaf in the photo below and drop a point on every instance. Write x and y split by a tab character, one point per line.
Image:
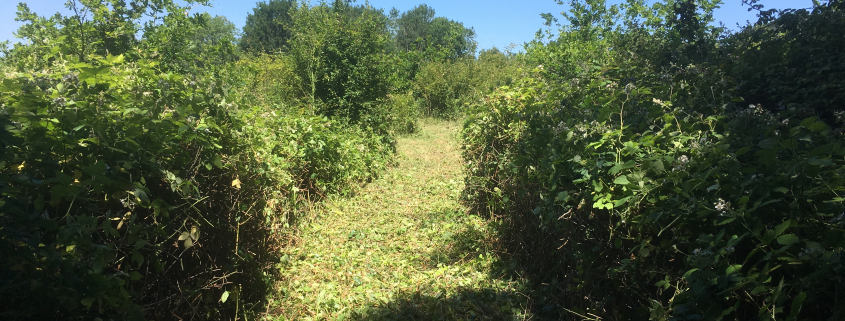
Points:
689	273
621	180
224	297
733	269
184	236
617	168
141	197
788	239
796	305
134	275
562	197
87	302
621	201
782	227
781	189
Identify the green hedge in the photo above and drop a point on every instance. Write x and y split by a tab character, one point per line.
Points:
660	193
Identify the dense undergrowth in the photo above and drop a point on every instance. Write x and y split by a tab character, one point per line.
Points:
640	163
650	167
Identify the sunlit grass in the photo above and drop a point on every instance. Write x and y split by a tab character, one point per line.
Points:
403	248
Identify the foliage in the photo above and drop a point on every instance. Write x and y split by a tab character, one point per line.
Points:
771	62
267	28
265	80
214	45
341	62
146	185
671	197
439	38
445	87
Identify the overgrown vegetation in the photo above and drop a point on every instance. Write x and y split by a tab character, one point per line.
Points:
154	161
636	162
676	173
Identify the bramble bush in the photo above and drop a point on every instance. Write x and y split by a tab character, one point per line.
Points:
660	193
139	184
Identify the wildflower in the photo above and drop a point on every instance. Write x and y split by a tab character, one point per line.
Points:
722	206
61	101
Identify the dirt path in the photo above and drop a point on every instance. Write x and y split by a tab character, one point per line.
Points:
402	249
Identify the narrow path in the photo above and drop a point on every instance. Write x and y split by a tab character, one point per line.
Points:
402	249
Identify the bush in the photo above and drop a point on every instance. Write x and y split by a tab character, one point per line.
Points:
671	197
132	191
772	63
341	60
106	166
445	87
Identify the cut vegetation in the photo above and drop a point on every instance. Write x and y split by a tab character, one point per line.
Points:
403	248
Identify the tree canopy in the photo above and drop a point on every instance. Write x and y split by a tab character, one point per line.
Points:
267	29
440	38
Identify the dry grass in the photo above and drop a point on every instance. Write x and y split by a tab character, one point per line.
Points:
402	248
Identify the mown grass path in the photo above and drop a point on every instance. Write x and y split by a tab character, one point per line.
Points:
403	248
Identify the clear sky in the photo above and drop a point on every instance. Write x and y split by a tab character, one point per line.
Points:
496	22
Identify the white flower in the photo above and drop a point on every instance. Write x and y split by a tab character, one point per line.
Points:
722	206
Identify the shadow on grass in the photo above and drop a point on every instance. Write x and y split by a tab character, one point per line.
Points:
485	304
525	301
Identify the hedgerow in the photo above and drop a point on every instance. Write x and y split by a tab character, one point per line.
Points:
138	184
660	193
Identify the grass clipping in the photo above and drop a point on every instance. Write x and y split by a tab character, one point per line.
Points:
402	248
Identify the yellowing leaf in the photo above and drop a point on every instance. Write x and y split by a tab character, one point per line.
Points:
236	183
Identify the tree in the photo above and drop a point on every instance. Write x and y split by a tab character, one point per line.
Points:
267	29
412	28
340	58
214	44
439	38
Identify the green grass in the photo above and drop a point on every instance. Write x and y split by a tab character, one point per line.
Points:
403	248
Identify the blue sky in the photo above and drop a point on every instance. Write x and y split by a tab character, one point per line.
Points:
497	23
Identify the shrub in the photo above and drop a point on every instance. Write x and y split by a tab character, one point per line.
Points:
445	87
131	191
671	197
